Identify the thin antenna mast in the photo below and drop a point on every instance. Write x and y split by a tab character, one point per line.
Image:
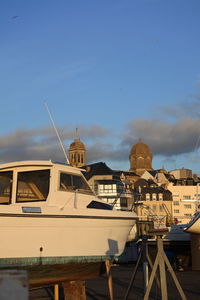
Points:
61	144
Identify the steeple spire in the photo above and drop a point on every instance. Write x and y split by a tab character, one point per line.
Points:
77	137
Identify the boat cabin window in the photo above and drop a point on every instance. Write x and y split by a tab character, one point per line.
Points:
69	182
5	187
33	185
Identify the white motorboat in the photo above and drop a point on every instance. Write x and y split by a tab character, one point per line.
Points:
53	225
194	225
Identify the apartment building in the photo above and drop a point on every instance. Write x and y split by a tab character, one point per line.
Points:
155	202
186	200
110	185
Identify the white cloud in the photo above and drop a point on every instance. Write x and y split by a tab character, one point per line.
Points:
165	138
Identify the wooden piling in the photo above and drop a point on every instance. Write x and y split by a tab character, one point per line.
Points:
56	292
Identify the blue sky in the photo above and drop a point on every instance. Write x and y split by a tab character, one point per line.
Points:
117	70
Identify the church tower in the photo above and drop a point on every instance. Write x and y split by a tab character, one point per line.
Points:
140	158
77	152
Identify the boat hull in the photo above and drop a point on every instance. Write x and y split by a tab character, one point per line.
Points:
54	248
194	225
62	236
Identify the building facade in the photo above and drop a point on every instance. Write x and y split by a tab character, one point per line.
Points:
186	201
107	185
154	202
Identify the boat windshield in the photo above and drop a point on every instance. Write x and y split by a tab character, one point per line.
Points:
71	182
33	186
5	187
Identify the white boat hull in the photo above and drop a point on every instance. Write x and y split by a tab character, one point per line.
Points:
56	248
30	239
194	225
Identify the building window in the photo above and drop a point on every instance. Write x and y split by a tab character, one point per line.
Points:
160	196
154	196
187	206
176	211
147	196
176	203
109	188
188	215
186	197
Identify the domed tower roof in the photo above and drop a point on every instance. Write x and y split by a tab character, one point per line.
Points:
140	158
77	152
77	145
140	148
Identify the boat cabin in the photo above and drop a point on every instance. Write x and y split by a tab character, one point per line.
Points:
30	182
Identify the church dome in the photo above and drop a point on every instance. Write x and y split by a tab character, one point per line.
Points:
140	158
140	148
77	145
77	152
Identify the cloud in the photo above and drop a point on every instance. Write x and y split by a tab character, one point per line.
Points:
42	143
93	132
182	109
99	151
165	138
29	144
189	107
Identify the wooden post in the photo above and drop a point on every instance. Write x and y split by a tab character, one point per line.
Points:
163	281
145	264
161	260
110	285
56	292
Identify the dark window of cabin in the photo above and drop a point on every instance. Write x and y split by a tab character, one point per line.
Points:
6	187
99	205
33	185
69	182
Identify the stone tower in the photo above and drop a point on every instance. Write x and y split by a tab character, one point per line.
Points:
77	152
140	158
